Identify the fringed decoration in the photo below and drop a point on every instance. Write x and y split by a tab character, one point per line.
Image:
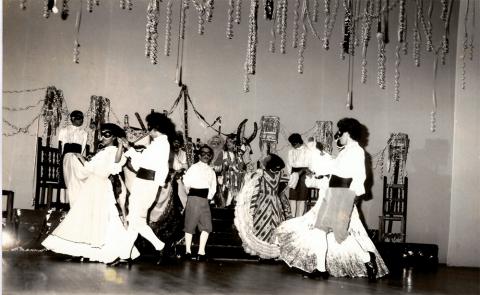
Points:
296	17
238	12
230	19
153	16
250	62
324	134
271	46
168	28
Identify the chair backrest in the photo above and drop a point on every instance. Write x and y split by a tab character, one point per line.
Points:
395	198
48	176
8	213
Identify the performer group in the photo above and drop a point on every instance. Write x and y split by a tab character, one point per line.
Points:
164	190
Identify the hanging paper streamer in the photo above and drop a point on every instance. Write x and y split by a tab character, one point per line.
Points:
324	134
269	129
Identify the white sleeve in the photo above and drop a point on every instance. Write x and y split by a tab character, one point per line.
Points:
359	174
213	185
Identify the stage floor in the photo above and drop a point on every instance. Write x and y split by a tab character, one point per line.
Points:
40	272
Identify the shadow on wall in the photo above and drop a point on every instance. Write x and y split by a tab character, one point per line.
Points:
369	180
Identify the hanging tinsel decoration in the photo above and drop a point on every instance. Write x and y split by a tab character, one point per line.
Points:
366	31
433	113
47	8
229	32
426	23
250	61
53	108
65	10
303	38
76	44
316	7
122	4
209	10
396	83
273	33
269	130
153	16
347	28
324	134
470	44
168	28
89	5
445	16
97	114
465	46
183	16
381	57
416	36
23	4
238	11
398	145
401	38
268	9
296	17
126	4
283	25
201	10
330	18
97	2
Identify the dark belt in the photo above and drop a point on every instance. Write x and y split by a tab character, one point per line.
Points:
146	174
298	169
72	148
198	192
336	181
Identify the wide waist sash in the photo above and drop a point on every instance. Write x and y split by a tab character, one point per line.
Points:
198	192
146	174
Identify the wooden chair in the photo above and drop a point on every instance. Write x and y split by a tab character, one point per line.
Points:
8	212
49	161
394	210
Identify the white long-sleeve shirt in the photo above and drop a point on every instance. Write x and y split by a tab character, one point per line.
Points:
73	134
201	176
298	157
153	157
350	163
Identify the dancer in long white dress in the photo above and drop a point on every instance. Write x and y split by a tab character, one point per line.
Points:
346	250
350	253
92	228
